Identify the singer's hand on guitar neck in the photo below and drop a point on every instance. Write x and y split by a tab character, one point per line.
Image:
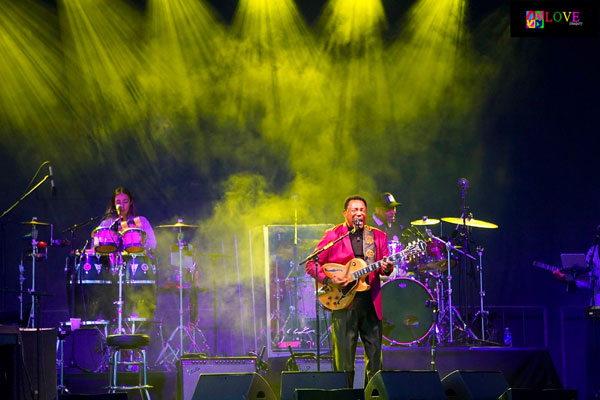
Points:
387	267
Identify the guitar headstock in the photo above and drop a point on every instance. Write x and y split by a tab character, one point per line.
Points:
416	247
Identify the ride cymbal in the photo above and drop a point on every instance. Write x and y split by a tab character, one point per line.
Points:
179	226
472	222
35	222
425	221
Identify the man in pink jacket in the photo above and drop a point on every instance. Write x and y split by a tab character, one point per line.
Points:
363	316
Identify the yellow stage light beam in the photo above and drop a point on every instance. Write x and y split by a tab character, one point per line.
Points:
31	98
103	44
185	42
427	55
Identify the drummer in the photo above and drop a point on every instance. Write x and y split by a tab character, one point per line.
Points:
122	208
384	216
121	214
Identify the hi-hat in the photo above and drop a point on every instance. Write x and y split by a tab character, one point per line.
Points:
179	226
472	222
35	222
425	221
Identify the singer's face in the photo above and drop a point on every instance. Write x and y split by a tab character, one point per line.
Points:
355	209
123	201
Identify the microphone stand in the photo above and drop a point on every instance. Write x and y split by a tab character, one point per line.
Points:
315	257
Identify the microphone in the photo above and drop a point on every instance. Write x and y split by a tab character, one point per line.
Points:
51	175
356	223
463	183
119	208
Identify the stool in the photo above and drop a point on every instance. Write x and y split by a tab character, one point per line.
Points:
135	344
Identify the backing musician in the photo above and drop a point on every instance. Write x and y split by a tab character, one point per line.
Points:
138	241
363	316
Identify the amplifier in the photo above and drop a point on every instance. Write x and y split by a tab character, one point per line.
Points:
190	367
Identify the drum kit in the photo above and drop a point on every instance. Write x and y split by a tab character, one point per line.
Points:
418	300
117	266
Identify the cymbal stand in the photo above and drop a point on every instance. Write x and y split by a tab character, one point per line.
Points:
450	311
34	253
482	312
175	354
119	302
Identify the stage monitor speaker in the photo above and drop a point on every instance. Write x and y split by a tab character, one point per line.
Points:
559	394
292	380
247	386
521	394
405	385
329	394
190	367
43	357
103	396
471	385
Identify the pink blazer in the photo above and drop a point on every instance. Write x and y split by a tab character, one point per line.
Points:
342	252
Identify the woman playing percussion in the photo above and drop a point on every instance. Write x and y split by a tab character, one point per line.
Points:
128	239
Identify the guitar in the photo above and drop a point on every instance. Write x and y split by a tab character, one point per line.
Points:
568	276
336	297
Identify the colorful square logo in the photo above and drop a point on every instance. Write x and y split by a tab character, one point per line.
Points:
534	19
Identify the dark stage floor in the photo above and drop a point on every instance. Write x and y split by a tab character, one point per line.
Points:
522	367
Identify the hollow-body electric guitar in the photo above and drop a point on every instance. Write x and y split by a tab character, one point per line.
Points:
336	297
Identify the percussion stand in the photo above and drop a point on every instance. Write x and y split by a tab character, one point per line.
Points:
177	353
482	312
34	252
451	310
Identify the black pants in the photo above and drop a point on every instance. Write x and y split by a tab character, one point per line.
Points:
358	319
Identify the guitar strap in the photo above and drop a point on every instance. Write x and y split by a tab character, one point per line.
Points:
369	245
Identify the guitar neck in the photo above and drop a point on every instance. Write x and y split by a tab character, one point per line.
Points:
547	267
372	267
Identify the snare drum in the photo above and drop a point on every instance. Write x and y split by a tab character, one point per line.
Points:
105	240
134	240
408	314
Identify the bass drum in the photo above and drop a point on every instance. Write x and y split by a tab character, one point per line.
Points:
407	315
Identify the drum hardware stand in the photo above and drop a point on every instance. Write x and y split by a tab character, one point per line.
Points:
483	314
61	337
34	252
190	332
450	310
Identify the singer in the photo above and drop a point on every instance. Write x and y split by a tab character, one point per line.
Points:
137	241
121	207
363	316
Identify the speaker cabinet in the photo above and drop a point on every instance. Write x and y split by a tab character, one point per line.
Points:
536	394
249	386
329	394
471	385
189	369
405	385
28	363
292	380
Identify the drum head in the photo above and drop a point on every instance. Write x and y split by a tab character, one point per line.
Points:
407	317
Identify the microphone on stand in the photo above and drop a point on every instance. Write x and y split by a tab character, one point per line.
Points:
463	183
356	223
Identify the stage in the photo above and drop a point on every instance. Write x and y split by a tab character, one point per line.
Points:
522	368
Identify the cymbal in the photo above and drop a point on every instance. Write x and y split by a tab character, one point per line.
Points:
35	222
425	221
179	226
475	223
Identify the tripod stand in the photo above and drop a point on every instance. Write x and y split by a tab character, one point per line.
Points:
170	354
